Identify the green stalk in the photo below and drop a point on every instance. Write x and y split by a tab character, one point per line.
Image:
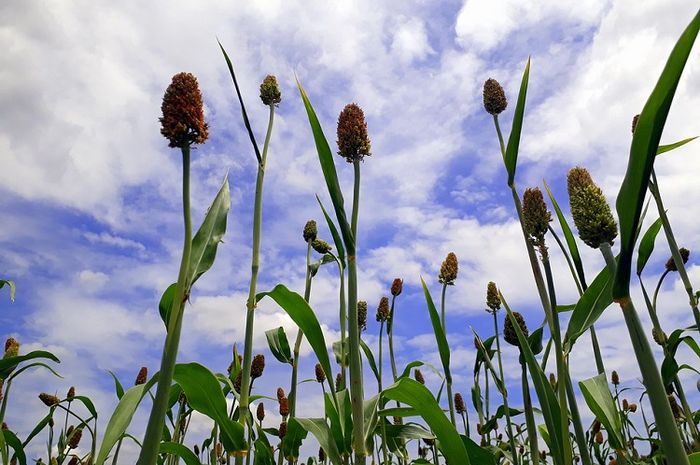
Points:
665	423
450	398
390	337
487	400
154	429
356	395
442	308
255	266
385	453
504	392
671	239
343	320
300	337
576	420
529	417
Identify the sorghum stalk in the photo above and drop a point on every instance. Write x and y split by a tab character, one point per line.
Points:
390	338
299	338
343	319
529	416
665	422
504	392
576	420
255	266
673	245
356	386
385	453
154	429
448	380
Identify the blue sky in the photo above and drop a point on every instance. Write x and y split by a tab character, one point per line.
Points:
89	191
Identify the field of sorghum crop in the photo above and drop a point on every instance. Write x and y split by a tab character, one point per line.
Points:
404	422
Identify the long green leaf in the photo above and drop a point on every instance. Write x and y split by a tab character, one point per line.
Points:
7	365
204	395
305	318
675	145
337	239
210	234
13	441
370	358
645	143
416	395
595	299
646	245
279	344
514	139
441	339
478	454
319	429
548	399
120	419
181	451
293	440
599	399
568	235
325	157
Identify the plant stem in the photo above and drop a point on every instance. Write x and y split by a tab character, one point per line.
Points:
343	321
665	423
299	338
504	392
390	337
671	239
442	308
576	420
356	386
244	403
154	429
529	416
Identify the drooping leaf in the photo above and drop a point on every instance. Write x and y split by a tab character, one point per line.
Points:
513	145
407	431
209	235
599	399
181	451
305	318
412	393
279	345
204	395
11	285
645	143
325	157
320	430
118	388
646	245
7	365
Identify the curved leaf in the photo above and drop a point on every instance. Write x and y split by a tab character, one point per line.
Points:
118	388
120	419
675	145
645	143
181	451
370	358
513	145
595	299
166	303
599	399
319	428
412	393
13	441
441	339
7	365
646	245
337	240
279	344
568	235
11	285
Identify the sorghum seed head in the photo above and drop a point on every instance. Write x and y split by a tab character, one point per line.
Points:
553	381
270	91
633	407
320	374
685	255
543	455
675	408
51	422
428	441
284	406
71	393
613	462
659	336
635	120
536	216
141	377
448	269
74	461
383	309
339	382
596	426
218	449
11	347
183	122
419	376
590	209
310	231
257	366
362	315
238	381
493	301
494	97
396	286
196	450
353	141
460	407
282	430
321	246
280	394
509	333
74	440
260	413
615	378
422	451
599	437
49	399
321	454
625	405
3	426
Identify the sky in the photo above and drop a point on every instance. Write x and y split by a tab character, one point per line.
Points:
90	192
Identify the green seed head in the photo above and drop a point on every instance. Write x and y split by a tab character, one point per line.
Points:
509	333
494	97
310	231
362	315
493	301
383	309
183	122
321	246
270	91
448	270
353	140
536	216
590	209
